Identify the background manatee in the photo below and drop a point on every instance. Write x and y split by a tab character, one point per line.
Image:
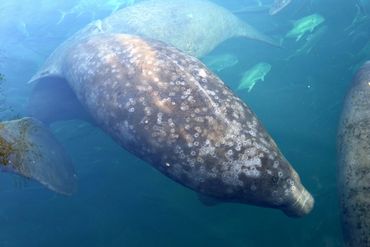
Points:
354	161
183	24
180	23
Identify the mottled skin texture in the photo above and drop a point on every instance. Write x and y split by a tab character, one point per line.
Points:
354	161
167	108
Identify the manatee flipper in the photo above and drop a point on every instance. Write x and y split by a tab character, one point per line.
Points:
250	32
52	100
29	149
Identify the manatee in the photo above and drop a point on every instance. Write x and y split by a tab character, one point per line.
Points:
183	24
354	161
168	109
29	149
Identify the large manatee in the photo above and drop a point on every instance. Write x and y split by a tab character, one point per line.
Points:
354	161
167	108
193	26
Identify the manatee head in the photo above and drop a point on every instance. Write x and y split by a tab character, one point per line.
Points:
295	200
279	186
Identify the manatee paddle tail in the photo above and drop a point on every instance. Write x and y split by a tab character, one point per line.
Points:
29	149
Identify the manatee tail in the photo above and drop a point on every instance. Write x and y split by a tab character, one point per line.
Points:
29	149
250	32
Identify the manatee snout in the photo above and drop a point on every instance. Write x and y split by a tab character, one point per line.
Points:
278	186
299	201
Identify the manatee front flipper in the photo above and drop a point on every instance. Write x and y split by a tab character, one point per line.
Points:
52	100
29	149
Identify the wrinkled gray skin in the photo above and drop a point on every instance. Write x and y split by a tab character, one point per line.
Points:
168	109
193	26
354	161
278	5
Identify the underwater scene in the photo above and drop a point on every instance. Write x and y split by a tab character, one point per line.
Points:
185	123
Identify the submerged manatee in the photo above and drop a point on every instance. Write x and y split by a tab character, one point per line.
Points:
354	161
193	26
168	109
29	149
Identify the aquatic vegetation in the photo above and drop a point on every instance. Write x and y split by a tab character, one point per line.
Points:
305	25
2	77
254	74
